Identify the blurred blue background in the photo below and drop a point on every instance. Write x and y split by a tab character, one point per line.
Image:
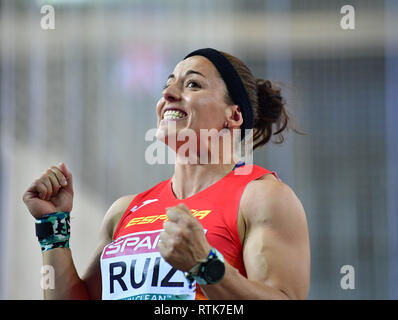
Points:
85	93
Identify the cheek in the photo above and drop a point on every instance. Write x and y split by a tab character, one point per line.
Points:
159	106
207	111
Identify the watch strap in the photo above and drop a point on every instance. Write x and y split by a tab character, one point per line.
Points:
196	271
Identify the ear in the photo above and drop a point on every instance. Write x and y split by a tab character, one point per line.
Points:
234	116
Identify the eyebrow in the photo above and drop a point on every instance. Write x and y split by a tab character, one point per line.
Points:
171	76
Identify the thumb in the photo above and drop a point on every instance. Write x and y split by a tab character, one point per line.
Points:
67	174
177	212
183	207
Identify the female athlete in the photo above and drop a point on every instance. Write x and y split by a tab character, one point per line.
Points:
217	229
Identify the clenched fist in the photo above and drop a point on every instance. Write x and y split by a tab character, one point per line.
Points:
52	192
183	242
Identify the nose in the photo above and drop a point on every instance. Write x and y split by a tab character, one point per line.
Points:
171	94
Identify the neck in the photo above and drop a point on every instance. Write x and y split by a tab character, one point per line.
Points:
189	179
197	174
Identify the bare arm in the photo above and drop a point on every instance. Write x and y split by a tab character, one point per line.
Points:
276	250
53	192
92	275
68	284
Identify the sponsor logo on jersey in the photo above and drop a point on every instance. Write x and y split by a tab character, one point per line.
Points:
198	214
135	208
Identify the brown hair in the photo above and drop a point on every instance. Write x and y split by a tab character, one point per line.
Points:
269	112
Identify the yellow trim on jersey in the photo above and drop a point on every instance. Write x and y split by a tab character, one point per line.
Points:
199	214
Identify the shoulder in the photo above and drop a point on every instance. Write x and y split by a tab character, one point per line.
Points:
276	246
113	216
268	200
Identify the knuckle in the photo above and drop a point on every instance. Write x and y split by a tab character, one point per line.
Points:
56	171
162	238
55	181
166	225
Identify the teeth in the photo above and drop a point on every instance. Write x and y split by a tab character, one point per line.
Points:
173	114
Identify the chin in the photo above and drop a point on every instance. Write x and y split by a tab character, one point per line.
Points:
162	134
168	135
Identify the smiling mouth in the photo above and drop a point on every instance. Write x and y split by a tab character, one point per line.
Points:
174	114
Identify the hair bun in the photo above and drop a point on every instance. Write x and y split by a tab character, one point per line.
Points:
269	99
271	116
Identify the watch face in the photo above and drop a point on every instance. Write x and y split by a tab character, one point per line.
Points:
214	271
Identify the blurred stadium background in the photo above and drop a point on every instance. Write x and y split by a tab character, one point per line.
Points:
85	93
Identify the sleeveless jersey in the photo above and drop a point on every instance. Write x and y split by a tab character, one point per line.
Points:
131	265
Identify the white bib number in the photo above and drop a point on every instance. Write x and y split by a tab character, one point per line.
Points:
132	268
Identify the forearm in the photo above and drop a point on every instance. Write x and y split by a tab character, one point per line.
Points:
67	283
234	286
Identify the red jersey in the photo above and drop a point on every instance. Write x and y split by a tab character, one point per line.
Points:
132	267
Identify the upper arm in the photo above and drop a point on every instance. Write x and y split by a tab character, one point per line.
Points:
92	276
276	244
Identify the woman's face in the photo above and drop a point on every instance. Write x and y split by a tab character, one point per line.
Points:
193	99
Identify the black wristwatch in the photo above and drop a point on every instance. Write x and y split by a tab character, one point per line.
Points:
208	272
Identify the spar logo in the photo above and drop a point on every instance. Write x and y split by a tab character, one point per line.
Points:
198	214
140	242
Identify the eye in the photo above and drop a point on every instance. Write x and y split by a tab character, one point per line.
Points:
193	84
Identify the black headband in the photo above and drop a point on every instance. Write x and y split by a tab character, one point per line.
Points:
233	82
